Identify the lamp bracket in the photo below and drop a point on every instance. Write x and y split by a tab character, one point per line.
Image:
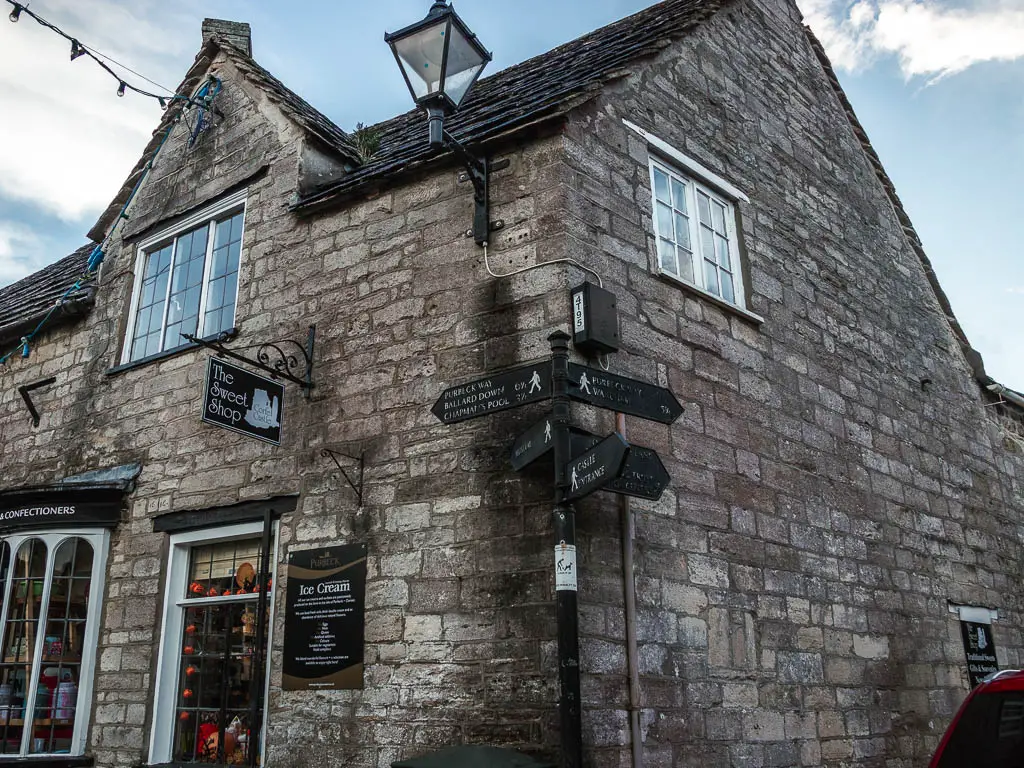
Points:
24	391
333	456
286	358
477	171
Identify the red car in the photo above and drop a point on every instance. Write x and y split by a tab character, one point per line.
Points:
988	731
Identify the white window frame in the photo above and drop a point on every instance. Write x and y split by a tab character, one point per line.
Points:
175	602
696	176
236	203
99	540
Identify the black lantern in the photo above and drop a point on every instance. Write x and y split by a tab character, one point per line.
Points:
441	59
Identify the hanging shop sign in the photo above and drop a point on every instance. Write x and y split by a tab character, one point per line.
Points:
324	619
90	506
241	401
980	648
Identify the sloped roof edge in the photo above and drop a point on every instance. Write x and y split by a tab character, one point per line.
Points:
971	355
311	120
542	88
24	303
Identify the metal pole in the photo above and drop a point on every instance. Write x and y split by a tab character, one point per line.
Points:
566	612
260	657
629	591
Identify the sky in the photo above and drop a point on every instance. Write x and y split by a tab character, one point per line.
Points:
938	85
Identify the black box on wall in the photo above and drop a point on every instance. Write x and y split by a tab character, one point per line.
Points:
595	320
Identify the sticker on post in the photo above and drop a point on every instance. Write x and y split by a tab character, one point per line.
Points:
579	322
565	567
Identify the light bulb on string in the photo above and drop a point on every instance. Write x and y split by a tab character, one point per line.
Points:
76	50
162	101
16	13
121	88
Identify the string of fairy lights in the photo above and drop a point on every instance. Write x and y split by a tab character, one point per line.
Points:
78	50
202	100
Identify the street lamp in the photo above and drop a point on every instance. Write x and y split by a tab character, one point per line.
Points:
441	59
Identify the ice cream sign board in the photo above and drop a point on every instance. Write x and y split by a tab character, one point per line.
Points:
243	402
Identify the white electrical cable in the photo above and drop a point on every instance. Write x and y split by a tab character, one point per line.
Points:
602	360
566	260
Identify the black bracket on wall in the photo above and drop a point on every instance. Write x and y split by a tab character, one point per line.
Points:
24	390
333	456
272	357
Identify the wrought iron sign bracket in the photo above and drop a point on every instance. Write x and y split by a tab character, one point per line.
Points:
24	390
333	456
276	358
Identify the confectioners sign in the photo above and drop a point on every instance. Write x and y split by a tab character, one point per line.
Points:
59	508
324	619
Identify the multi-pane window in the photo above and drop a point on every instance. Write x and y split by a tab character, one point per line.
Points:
188	284
52	585
696	234
212	683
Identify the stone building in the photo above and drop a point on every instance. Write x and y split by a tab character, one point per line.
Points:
846	482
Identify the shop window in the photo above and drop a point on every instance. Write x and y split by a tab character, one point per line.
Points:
51	585
212	682
186	281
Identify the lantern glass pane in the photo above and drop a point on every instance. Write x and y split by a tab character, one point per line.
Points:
421	55
464	63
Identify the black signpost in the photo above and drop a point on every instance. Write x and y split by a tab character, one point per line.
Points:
622	394
980	648
532	444
596	467
241	401
508	389
601	464
324	619
642	475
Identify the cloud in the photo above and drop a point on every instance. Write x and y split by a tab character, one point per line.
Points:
67	142
930	38
21	252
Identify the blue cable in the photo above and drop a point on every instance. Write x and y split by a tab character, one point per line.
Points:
97	254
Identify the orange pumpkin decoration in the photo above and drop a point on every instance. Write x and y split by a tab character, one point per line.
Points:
241	591
196	588
184	716
212	592
191	629
187	693
188	650
227	593
190	670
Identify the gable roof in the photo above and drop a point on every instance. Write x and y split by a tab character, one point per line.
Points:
541	88
971	355
24	303
307	117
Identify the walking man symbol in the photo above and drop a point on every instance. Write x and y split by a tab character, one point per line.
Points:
534	383
585	383
573	479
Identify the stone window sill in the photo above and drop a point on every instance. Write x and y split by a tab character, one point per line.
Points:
166	354
746	314
50	761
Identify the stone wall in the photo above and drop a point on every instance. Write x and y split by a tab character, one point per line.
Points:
826	503
793	581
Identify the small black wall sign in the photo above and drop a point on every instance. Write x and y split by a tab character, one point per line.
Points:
980	648
241	401
324	619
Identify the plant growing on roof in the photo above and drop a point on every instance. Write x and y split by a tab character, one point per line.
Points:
367	140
